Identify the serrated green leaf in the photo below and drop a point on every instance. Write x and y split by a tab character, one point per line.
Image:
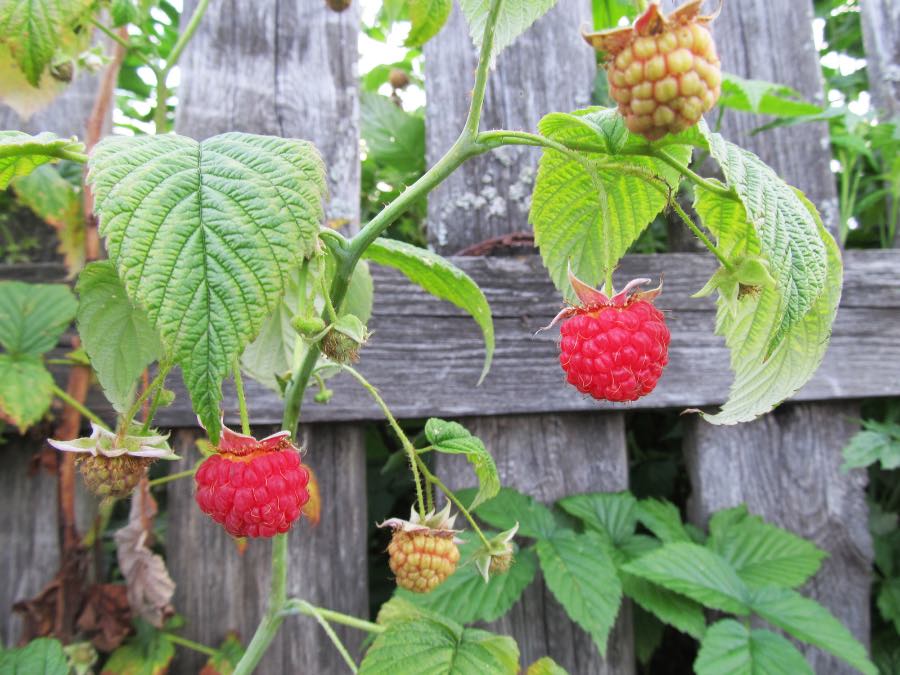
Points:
729	647
227	656
612	513
33	316
669	607
762	554
35	29
786	230
763	380
877	442
204	236
43	656
442	279
455	439
394	136
663	519
397	610
26	389
20	153
510	507
810	622
764	98
514	19
546	666
427	18
588	212
124	12
696	572
117	337
148	652
466	598
582	577
889	601
441	647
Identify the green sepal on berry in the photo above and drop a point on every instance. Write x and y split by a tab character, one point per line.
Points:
497	556
748	275
344	339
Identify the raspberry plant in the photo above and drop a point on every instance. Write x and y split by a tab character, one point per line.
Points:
219	263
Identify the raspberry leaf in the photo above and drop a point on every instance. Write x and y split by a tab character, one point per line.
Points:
455	439
696	572
810	622
588	209
42	655
613	514
662	519
668	606
786	229
442	279
762	554
466	598
204	235
149	651
581	575
764	377
877	442
764	98
729	647
442	647
117	337
514	18
20	154
427	18
545	666
33	316
510	507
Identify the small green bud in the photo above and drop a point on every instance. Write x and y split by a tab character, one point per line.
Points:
166	397
308	326
324	396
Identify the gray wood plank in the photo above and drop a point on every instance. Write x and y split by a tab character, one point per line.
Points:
547	456
881	36
285	68
785	466
440	348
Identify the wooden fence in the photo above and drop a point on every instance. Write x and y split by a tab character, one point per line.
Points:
289	68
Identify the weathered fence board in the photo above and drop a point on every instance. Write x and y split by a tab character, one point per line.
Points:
881	36
287	69
788	469
546	456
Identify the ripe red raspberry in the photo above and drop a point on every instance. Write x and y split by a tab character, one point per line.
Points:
615	348
255	488
664	71
423	553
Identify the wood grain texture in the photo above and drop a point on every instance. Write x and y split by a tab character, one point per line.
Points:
785	466
546	456
284	68
491	195
219	589
881	37
440	348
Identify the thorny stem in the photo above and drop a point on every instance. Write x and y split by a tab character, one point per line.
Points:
190	644
242	399
726	263
80	407
404	440
431	478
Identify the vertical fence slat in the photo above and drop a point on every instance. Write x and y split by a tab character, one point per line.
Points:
786	465
285	68
881	37
33	558
547	456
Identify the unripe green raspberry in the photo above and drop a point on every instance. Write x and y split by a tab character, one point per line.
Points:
663	72
340	348
112	476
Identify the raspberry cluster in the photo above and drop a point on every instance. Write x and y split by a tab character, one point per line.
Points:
254	489
615	353
422	560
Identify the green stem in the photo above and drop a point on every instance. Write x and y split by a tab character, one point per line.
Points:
156	482
726	263
190	644
80	407
111	34
431	478
186	35
694	177
100	522
404	440
473	120
161	113
151	412
310	610
242	400
157	382
297	606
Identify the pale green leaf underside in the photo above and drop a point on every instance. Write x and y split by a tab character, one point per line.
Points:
466	598
442	279
117	337
810	622
789	236
732	648
33	316
26	389
761	383
453	438
514	19
694	571
204	236
590	215
427	18
584	581
439	648
20	153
